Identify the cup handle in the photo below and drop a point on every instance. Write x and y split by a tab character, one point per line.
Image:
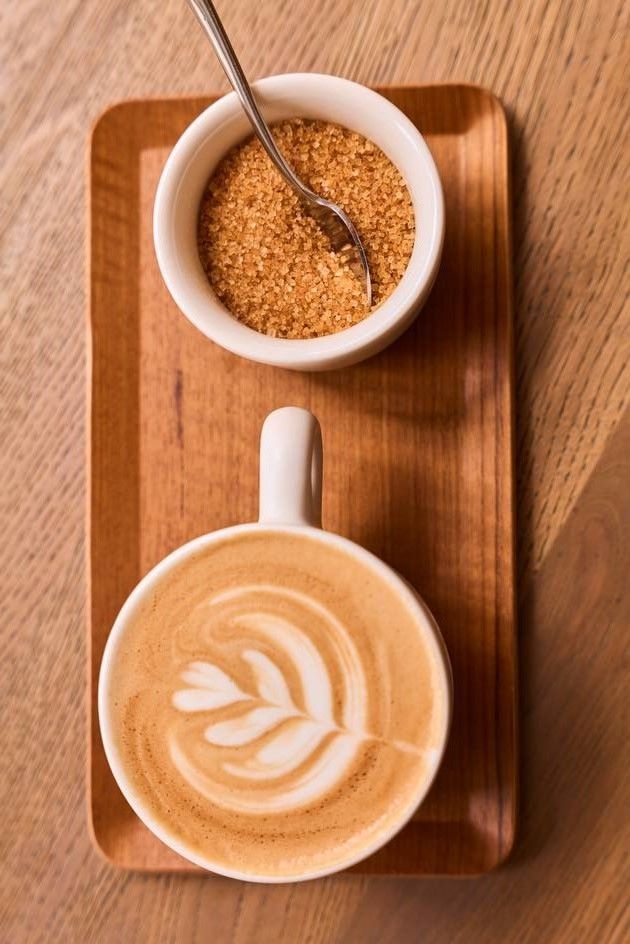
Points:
291	468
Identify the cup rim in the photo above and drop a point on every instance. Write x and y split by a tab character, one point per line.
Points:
430	631
214	320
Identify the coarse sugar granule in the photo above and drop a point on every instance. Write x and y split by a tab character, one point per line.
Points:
269	262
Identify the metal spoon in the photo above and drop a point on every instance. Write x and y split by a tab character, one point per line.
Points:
334	221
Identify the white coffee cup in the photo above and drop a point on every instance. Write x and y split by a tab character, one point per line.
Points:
207	140
290	500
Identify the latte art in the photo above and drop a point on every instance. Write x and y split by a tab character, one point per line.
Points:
277	703
293	746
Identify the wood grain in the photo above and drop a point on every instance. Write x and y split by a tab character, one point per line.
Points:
418	454
560	70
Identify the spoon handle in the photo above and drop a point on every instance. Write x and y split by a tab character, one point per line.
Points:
213	27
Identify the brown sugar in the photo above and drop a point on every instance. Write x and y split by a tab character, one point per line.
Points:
269	262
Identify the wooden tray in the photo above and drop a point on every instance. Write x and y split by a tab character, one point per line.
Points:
418	452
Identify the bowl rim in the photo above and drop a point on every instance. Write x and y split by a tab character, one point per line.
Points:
214	320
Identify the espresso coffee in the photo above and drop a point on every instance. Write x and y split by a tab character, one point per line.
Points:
276	703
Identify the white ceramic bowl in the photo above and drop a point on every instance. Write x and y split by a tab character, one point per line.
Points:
206	141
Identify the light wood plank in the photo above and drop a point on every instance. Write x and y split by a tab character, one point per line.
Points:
559	69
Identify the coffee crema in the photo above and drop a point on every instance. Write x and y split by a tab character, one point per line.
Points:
277	704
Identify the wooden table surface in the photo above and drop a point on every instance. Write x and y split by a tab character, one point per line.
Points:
557	65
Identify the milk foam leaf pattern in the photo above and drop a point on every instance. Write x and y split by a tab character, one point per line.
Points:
291	734
213	689
247	727
272	686
279	737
